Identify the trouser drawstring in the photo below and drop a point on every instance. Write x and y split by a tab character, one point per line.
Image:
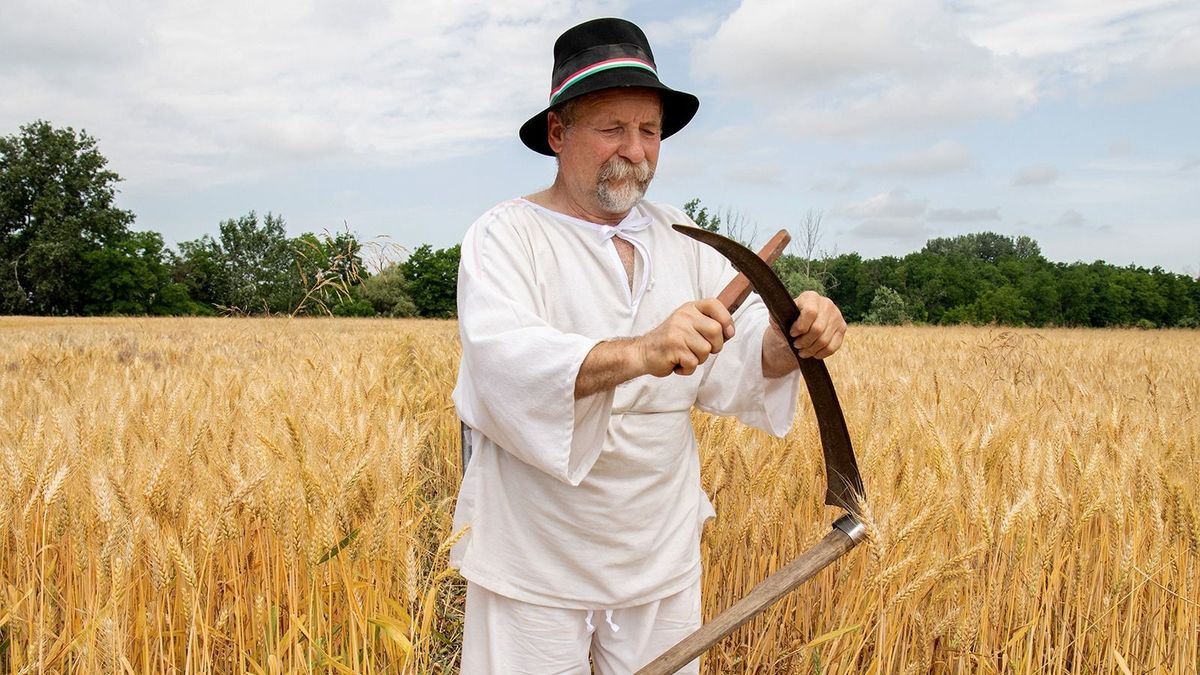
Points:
608	618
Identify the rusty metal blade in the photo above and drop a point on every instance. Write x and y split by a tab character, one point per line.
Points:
843	483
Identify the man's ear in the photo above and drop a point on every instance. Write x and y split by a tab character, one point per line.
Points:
555	132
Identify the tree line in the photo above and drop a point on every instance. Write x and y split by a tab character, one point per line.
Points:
66	249
990	278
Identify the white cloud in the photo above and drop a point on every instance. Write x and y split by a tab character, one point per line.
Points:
893	204
1070	219
1032	29
896	229
758	174
1037	174
1134	165
940	158
228	91
68	37
1177	57
897	216
681	29
963	215
858	66
861	67
834	184
1148	43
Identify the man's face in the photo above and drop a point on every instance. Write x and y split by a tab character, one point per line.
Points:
608	155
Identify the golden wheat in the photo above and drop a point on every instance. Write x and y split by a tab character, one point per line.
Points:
274	496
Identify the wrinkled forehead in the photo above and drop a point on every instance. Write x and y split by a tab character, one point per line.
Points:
634	103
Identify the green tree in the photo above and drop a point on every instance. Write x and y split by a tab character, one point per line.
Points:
1180	308
327	273
249	267
791	271
700	216
258	259
845	276
986	246
387	292
1038	286
1026	248
353	304
887	308
884	271
56	208
199	267
432	277
1002	305
1077	293
131	276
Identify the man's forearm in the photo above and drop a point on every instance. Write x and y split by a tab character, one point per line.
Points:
608	364
777	357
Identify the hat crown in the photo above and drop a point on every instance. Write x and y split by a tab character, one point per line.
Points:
605	54
600	32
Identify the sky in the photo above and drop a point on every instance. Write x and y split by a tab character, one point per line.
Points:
893	122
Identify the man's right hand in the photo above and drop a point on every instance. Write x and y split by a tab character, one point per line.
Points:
686	339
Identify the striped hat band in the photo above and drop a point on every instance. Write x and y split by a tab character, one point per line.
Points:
609	64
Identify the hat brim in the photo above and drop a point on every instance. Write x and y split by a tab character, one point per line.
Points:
678	107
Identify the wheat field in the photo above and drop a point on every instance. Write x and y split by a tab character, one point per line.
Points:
275	496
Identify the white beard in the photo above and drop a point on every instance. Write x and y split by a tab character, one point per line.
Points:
622	184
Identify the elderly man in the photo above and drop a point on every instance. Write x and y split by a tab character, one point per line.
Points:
589	331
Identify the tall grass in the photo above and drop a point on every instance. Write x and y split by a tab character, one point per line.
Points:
1032	509
225	496
274	496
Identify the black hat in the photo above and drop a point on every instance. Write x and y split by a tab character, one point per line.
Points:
603	54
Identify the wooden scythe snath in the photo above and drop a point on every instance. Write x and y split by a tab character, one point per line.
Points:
843	484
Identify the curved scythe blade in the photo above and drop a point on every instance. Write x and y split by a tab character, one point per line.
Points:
843	484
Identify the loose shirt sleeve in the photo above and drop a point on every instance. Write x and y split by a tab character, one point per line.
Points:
516	382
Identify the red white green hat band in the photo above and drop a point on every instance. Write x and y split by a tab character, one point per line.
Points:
599	68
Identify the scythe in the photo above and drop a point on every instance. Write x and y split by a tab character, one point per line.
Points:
843	484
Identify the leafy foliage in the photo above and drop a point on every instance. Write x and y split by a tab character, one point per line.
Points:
887	308
254	267
328	271
256	261
432	277
794	274
131	276
700	216
992	278
387	292
56	208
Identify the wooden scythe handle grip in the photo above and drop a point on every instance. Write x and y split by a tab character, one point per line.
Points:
833	546
736	292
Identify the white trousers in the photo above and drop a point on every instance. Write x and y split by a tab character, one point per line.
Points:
503	636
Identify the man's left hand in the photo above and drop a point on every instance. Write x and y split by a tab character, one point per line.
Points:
818	333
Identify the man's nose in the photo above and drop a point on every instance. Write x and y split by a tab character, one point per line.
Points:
634	147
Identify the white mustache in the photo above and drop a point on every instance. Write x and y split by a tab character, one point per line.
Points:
619	168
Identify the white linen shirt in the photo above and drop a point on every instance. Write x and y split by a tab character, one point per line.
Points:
594	503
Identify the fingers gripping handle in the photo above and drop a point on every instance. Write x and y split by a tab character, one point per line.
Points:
738	290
